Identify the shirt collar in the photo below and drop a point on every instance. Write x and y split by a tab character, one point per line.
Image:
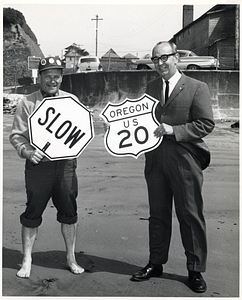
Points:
174	79
45	95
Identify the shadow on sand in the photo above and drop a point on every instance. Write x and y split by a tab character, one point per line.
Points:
56	260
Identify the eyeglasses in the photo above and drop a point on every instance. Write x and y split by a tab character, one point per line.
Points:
163	58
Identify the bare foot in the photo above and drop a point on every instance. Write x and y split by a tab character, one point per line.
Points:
24	272
75	268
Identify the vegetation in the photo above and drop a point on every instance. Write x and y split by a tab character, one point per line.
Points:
12	16
19	42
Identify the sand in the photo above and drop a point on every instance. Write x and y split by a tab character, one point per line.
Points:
112	237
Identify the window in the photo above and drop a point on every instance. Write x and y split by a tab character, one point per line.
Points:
88	59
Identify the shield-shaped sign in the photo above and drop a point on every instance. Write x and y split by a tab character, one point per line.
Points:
61	127
131	126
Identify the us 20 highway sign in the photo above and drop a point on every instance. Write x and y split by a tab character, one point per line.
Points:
131	126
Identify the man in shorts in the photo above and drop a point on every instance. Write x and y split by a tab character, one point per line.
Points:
45	179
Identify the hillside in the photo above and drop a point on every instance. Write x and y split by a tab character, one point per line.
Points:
19	42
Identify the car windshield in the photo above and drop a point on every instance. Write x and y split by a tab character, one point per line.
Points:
192	54
88	59
182	54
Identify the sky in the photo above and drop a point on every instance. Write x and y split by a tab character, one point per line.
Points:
127	26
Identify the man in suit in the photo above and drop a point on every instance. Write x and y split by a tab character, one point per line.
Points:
174	168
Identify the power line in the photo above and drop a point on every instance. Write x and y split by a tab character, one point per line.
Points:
144	26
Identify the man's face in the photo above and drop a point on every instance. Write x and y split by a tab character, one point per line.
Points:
168	68
50	81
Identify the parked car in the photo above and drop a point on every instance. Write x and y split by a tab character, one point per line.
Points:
88	64
188	61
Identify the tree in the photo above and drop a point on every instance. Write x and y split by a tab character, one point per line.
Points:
12	16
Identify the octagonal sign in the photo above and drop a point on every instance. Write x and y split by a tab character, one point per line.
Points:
61	127
131	126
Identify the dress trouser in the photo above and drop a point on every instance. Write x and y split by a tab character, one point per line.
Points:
177	174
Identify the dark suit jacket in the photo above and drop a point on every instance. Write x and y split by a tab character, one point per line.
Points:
189	111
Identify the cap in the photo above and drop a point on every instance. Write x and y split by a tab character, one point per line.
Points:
52	62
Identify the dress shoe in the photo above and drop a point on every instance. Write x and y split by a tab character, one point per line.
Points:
147	272
197	283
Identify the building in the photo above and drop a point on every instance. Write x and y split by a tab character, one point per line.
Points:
215	33
111	61
72	54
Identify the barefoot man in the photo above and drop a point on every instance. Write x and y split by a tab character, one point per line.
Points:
45	179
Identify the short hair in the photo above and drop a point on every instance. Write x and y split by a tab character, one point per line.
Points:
173	46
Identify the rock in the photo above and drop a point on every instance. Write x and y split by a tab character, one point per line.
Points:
10	102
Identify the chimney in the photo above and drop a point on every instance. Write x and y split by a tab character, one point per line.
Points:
187	15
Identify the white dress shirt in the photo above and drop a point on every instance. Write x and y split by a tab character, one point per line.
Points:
172	83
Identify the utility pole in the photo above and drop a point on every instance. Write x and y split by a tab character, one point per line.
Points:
96	30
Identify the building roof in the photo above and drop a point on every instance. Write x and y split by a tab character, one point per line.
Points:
74	45
110	53
129	55
215	9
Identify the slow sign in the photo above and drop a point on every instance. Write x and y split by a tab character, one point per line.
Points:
131	126
61	127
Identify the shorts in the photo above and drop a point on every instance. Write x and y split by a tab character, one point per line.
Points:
51	179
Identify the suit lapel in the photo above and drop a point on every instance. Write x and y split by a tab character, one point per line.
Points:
160	92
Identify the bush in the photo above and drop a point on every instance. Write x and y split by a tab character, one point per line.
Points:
12	16
25	81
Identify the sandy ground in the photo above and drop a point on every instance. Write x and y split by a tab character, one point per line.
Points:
112	238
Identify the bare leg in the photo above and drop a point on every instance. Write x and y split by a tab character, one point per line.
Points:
69	234
28	238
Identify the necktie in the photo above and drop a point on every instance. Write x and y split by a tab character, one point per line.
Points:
166	90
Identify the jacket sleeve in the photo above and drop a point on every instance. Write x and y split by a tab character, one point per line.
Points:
19	136
202	122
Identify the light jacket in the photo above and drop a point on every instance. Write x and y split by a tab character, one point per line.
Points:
19	136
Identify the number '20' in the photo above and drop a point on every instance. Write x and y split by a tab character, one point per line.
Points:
127	133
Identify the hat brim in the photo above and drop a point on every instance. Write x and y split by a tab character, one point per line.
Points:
51	67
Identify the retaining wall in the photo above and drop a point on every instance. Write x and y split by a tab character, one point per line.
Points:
98	88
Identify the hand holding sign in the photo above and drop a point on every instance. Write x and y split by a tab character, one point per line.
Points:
132	124
61	127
